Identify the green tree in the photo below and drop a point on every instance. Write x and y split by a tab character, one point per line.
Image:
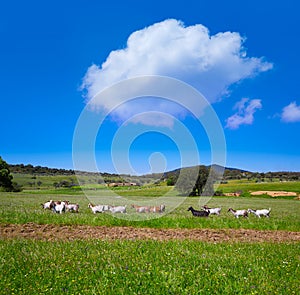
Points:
204	183
196	181
5	176
171	181
186	180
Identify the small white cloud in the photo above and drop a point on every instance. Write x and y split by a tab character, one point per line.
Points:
245	111
210	63
291	113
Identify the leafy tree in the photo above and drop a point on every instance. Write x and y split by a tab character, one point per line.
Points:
5	176
171	181
204	183
195	181
186	180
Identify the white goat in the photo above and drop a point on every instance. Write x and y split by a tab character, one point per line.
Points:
238	213
58	207
216	211
258	213
118	209
106	207
96	208
71	207
47	205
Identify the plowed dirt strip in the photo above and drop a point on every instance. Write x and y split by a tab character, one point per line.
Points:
52	232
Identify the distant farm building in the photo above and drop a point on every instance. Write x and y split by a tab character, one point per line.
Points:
116	184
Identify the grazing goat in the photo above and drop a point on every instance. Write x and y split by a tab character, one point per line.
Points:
198	213
71	207
238	213
47	205
258	213
158	209
106	207
98	208
216	211
118	209
141	209
58	206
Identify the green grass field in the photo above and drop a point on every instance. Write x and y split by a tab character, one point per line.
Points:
246	186
25	207
149	267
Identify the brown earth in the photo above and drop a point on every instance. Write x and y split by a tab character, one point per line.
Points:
274	193
50	232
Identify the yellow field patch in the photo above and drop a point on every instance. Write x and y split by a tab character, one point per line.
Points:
274	193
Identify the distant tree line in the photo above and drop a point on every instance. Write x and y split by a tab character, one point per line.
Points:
65	183
261	176
39	170
170	176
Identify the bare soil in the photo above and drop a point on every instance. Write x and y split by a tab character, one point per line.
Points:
50	232
274	193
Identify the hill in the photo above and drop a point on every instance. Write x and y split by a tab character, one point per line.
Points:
226	172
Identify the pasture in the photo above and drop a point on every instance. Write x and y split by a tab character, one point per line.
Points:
147	266
251	185
26	207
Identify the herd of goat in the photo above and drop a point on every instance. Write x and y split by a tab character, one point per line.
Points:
237	213
63	206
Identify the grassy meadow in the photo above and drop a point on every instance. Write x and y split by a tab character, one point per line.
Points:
26	207
150	267
147	267
251	186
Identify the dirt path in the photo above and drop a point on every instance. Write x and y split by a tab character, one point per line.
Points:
52	232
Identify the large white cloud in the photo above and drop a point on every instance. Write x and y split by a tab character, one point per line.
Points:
291	113
245	113
211	64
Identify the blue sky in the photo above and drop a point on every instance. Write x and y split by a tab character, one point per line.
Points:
244	58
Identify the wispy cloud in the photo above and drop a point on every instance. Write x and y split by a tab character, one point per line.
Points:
291	113
244	115
210	63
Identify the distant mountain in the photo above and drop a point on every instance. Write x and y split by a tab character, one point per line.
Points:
221	169
30	169
217	168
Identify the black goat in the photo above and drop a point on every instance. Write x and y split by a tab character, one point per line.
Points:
198	213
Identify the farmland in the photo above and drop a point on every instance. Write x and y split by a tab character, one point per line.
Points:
47	253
